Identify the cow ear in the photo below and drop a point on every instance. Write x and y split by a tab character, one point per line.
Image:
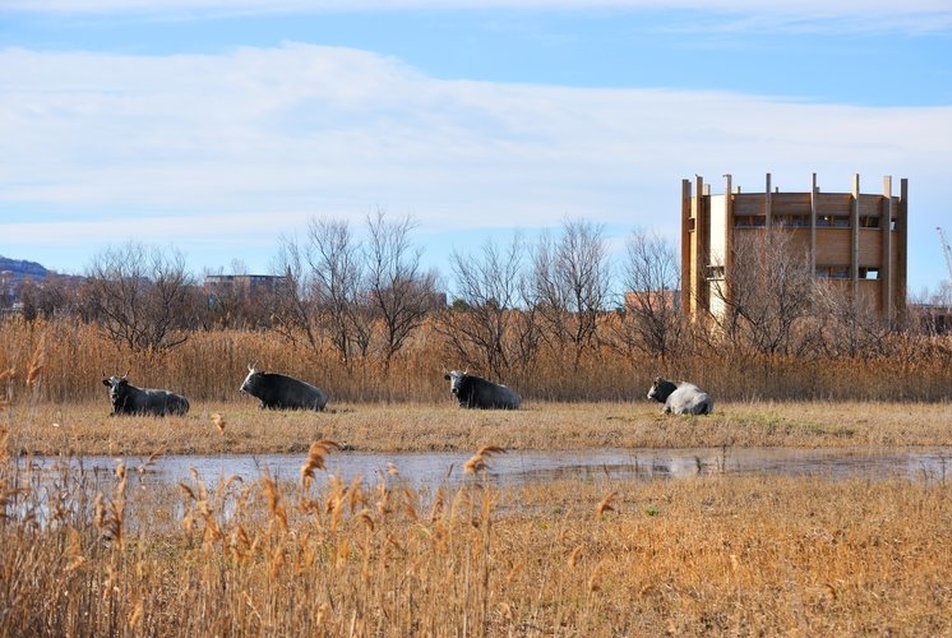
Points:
105	382
446	376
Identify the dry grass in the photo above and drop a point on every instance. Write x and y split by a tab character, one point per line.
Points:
712	555
63	361
240	427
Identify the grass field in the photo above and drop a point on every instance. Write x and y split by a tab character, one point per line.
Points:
711	555
86	428
83	554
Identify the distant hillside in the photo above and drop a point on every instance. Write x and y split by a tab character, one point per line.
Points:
22	268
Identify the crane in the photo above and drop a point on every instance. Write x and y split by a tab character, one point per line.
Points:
946	250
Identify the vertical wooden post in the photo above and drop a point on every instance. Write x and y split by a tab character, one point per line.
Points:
854	239
687	290
728	239
885	269
902	228
701	243
767	212
813	225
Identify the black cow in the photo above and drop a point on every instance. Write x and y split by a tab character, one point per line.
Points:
281	392
128	399
475	392
681	397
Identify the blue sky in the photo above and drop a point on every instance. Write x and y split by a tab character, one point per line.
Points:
220	126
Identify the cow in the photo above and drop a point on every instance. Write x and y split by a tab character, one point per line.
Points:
681	397
281	392
128	399
475	392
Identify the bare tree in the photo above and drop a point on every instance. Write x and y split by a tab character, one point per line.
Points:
399	291
487	328
338	279
846	326
770	293
650	321
570	284
141	295
294	312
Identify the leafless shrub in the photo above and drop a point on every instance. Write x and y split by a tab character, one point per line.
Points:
650	321
570	284
488	327
141	296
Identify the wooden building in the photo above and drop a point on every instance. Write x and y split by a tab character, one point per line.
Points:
856	240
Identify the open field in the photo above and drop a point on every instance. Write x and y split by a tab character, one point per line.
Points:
85	428
712	555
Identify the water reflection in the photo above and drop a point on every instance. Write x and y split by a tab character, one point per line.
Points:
518	467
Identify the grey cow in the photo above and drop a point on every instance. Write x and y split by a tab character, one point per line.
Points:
681	397
128	399
281	392
475	392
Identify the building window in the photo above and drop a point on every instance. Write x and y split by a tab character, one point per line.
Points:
793	221
750	221
869	273
833	221
869	222
715	273
833	272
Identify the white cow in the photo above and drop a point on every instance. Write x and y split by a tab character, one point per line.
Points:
681	397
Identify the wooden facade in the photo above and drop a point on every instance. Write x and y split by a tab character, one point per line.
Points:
857	240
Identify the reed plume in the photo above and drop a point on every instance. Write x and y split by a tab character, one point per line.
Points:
606	505
315	459
478	462
36	363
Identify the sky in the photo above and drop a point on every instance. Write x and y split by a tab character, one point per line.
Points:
220	127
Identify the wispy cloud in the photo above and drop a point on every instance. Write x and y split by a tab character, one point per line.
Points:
207	147
914	16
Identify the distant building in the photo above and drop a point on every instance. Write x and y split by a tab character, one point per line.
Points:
668	299
433	300
855	240
244	286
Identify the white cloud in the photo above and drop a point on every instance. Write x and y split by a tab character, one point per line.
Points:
790	15
208	146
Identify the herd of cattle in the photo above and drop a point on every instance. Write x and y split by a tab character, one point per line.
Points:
281	392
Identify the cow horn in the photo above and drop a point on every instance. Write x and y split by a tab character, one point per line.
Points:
126	375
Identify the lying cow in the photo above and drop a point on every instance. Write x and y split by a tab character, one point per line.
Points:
281	392
681	397
475	392
128	399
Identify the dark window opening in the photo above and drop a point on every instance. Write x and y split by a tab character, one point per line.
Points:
833	272
750	221
833	221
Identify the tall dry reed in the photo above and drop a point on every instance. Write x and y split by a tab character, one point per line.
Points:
715	555
68	358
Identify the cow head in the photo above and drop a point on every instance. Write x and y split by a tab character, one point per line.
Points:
248	385
455	377
118	387
661	389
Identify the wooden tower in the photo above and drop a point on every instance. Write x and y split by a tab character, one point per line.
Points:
857	241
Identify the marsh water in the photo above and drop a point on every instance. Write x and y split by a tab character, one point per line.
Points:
518	467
